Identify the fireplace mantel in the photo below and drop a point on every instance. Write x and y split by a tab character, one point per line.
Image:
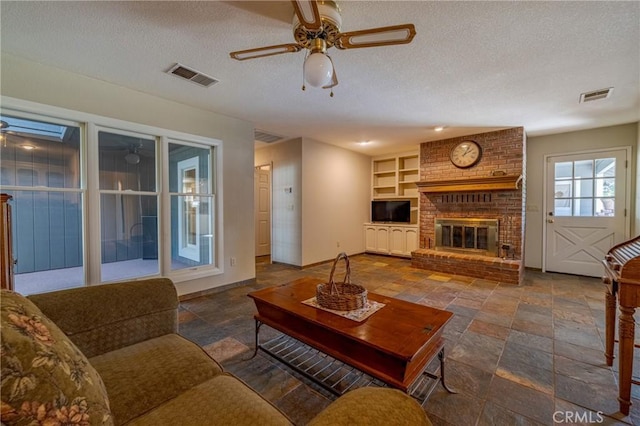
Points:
490	183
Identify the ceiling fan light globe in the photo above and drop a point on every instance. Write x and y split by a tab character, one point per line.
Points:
132	158
318	70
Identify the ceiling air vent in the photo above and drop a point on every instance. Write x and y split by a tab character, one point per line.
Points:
192	75
261	136
596	94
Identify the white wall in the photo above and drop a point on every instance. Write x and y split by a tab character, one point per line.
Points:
286	214
34	82
329	202
538	147
336	189
635	229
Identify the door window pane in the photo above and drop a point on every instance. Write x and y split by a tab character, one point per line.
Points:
563	189
605	207
584	188
562	207
606	167
583	169
589	191
564	170
583	207
605	187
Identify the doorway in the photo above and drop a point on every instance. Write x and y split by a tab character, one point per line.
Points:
586	211
262	202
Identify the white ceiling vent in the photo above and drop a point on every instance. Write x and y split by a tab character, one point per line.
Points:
197	77
261	136
596	94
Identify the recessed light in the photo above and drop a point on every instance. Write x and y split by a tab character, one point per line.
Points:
439	128
28	147
364	143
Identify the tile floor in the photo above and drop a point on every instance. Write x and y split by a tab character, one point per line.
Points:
525	355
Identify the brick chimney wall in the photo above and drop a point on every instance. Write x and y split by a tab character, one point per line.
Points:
502	150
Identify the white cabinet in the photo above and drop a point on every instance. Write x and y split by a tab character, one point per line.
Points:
397	240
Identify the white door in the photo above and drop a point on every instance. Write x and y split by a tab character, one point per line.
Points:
262	191
585	210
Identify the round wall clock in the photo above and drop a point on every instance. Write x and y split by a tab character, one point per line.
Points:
465	154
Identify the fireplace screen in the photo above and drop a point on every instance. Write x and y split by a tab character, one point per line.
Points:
477	236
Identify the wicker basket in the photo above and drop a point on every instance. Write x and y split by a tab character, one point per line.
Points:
342	296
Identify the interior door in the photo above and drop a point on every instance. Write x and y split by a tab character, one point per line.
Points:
262	191
585	210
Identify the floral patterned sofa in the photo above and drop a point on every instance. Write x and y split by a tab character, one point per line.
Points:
111	355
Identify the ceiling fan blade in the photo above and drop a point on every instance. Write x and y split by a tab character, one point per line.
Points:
308	14
383	36
260	52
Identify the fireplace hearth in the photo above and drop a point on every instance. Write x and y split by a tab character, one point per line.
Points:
477	236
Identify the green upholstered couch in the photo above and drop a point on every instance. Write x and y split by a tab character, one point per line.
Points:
111	355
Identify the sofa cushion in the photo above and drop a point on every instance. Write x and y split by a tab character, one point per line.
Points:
373	406
223	400
142	376
105	317
45	377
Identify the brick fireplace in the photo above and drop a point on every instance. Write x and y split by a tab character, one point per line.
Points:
492	190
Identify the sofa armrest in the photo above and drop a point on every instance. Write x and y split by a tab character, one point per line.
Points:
372	406
102	318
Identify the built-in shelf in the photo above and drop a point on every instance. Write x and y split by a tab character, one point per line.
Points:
395	176
490	183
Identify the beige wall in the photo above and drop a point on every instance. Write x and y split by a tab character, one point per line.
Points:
537	147
286	213
328	204
336	190
635	230
34	82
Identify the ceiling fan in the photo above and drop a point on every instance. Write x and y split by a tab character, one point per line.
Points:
316	28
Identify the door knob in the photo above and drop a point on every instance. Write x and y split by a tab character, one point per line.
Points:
550	220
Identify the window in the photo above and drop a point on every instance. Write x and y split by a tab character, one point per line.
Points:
41	169
585	188
107	203
192	201
128	205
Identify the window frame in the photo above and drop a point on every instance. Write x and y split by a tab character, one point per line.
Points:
89	125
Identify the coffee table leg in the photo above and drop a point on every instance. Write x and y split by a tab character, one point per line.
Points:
255	352
444	385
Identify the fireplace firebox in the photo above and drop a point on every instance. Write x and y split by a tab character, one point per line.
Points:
467	235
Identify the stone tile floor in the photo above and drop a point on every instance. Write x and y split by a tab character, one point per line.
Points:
525	355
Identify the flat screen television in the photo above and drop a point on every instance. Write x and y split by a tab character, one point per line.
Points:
391	211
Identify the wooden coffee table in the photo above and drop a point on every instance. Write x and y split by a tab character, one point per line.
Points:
394	345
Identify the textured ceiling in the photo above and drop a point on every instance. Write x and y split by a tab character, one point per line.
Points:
472	66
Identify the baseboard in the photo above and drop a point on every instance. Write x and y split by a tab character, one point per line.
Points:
311	265
215	290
